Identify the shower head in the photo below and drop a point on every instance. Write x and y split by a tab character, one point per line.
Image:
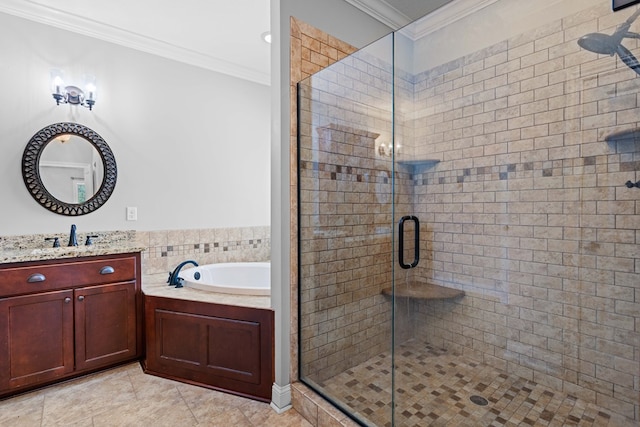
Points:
603	44
606	44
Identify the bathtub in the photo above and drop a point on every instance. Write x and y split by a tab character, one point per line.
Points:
242	278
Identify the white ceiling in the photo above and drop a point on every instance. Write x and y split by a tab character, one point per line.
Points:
221	35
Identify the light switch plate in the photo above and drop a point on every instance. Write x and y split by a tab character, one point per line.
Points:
132	213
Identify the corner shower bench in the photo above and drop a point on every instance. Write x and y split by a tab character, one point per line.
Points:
424	291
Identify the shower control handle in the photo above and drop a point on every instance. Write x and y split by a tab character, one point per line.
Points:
416	256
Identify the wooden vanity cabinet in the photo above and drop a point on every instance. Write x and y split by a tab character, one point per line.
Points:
85	315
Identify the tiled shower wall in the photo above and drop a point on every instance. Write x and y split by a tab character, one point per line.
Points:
311	51
168	248
345	216
528	212
346	211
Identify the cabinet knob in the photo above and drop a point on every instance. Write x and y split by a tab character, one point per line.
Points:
67	300
81	298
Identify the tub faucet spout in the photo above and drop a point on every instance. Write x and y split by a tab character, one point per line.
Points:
173	279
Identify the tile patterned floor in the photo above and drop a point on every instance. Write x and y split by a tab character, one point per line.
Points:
125	396
434	389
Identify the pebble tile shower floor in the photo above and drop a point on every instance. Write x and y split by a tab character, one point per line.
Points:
434	388
125	396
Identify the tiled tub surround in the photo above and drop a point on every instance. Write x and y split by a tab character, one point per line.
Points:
168	248
526	211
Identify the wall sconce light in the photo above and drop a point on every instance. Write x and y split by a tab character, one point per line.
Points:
387	151
69	94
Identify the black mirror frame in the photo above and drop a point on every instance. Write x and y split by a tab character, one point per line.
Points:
31	169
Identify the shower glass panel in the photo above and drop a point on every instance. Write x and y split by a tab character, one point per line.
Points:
345	179
470	255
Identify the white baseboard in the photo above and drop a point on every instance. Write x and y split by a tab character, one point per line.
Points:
281	398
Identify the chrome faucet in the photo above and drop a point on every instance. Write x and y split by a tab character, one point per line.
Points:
173	279
73	239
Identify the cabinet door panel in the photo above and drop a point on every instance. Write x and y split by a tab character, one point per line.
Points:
36	338
233	349
105	324
227	348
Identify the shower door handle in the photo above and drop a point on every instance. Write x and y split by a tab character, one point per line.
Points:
416	256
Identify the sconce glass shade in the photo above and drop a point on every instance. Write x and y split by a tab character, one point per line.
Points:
90	87
58	89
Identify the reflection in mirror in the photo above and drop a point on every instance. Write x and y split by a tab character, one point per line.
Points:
71	168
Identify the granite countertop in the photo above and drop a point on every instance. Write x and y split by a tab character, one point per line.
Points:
156	285
40	254
35	247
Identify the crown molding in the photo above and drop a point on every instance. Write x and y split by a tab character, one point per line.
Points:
446	15
74	23
382	11
439	18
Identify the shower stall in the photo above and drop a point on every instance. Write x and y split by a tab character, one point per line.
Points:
469	221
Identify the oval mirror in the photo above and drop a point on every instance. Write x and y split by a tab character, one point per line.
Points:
69	169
